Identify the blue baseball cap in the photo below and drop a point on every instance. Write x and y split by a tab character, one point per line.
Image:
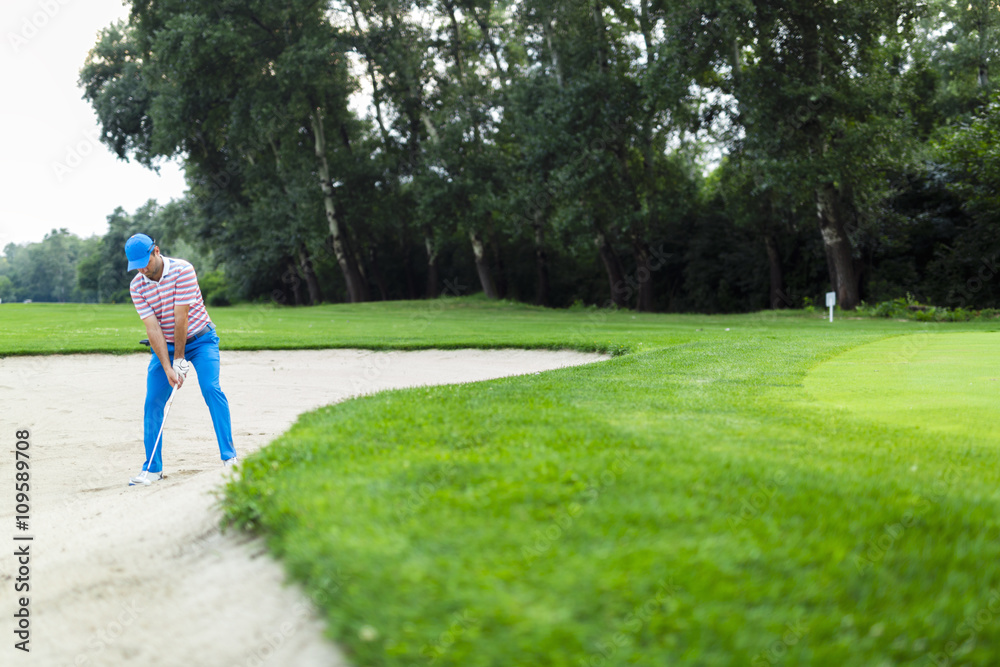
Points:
138	249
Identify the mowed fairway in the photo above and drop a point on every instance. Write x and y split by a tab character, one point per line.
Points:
946	384
690	503
701	499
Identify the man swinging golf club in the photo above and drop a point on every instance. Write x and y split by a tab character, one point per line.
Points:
166	295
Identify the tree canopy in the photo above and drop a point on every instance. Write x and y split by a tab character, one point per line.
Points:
713	155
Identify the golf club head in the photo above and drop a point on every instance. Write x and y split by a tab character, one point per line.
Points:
139	480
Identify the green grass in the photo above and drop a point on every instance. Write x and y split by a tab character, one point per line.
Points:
443	323
690	503
948	384
703	500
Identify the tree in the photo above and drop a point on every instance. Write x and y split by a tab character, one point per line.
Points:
970	260
970	43
817	93
398	55
45	271
102	273
243	91
7	292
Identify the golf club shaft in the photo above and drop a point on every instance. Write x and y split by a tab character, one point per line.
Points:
166	411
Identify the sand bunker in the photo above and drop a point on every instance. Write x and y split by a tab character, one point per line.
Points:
140	575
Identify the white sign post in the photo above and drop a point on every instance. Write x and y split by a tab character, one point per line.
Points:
831	301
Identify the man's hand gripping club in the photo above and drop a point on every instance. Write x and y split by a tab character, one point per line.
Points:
179	372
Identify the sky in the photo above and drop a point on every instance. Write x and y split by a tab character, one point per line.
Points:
54	173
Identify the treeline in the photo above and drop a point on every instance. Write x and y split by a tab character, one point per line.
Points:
556	151
64	268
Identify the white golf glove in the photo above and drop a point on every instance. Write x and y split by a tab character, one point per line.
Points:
181	367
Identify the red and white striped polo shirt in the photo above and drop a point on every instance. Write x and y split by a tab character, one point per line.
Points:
178	286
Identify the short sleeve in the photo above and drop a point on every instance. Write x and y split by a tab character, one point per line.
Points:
186	290
140	303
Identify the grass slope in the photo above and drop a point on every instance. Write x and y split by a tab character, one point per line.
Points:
689	503
442	323
948	383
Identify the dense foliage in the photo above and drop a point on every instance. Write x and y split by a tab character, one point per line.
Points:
716	155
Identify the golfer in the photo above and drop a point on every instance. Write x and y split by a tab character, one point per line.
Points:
166	294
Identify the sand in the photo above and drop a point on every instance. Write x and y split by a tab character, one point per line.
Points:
142	575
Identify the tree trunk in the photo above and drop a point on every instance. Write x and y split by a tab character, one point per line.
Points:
643	275
482	265
646	215
432	267
778	298
645	25
376	89
499	270
837	244
484	28
602	51
983	29
377	273
294	282
541	263
457	39
359	261
553	56
305	264
620	291
355	287
404	250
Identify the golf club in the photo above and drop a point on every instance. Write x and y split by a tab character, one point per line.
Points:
143	477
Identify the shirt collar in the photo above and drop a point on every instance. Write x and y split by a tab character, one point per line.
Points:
166	270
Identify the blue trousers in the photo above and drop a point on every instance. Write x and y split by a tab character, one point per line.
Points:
203	353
